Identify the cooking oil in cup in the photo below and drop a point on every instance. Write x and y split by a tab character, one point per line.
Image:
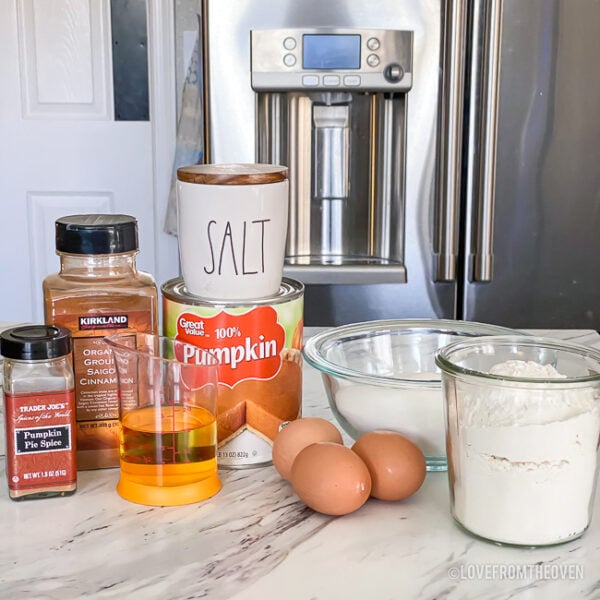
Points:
167	446
167	420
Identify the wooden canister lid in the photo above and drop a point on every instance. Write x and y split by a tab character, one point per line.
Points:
232	174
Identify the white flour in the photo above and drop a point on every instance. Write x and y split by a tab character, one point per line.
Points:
416	413
525	466
526	368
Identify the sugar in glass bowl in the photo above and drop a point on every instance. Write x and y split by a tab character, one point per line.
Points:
382	375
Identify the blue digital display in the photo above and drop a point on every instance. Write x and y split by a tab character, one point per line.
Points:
328	51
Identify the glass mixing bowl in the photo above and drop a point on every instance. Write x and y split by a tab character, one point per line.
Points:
382	375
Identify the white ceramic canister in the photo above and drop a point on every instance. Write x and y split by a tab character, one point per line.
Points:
232	227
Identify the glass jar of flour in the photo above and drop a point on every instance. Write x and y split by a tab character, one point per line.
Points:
522	428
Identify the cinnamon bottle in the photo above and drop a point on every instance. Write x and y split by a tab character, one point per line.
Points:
98	291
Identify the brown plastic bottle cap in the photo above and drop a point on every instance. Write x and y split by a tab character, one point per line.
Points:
233	174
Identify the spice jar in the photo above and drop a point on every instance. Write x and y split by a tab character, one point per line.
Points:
98	291
40	412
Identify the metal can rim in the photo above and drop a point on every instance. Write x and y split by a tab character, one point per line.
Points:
175	291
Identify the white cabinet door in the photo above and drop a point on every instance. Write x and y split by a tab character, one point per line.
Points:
62	152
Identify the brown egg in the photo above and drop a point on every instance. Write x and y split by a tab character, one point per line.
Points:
331	479
396	464
298	434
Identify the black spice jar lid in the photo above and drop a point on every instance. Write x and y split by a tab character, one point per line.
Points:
96	234
35	342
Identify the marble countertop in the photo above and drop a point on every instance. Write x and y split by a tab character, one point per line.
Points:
255	539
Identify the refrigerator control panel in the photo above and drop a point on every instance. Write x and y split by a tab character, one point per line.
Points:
331	59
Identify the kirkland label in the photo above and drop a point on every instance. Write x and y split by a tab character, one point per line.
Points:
103	322
96	383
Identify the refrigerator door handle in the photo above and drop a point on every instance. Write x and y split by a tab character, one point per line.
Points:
205	69
487	130
450	125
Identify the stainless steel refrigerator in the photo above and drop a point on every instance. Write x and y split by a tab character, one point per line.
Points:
492	208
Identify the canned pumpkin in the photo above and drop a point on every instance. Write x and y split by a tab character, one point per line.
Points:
259	347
